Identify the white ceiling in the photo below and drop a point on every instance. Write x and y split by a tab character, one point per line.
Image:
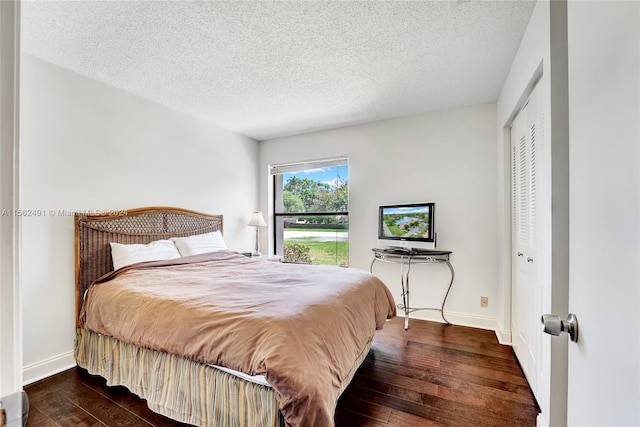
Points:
269	69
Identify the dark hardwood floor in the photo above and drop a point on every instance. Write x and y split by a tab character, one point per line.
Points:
431	374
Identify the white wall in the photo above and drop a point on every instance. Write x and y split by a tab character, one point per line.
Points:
447	157
88	146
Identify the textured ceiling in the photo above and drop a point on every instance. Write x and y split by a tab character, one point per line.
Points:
268	69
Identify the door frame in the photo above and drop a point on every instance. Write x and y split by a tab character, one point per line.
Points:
10	320
559	133
539	82
547	60
553	354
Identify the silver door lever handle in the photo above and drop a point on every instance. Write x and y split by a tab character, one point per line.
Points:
553	325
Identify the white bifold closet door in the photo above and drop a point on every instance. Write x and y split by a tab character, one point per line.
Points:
526	293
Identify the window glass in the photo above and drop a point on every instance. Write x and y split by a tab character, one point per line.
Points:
311	206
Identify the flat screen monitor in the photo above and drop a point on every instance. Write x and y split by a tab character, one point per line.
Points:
407	225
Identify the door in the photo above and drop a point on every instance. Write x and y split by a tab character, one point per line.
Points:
526	258
604	120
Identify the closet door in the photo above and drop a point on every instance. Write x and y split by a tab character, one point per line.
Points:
526	288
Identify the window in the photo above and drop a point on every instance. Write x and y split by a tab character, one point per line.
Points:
311	206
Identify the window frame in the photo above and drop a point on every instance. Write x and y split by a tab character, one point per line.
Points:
278	231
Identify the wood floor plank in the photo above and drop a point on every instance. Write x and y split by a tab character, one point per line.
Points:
465	410
404	354
37	418
487	370
66	414
347	418
350	402
432	413
46	397
140	408
462	356
398	379
404	419
453	379
459	341
432	374
48	422
105	410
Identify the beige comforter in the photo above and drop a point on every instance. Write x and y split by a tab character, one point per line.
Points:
300	326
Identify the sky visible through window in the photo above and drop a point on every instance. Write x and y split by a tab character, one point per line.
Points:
326	175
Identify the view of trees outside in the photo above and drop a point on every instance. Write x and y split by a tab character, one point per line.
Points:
304	195
316	239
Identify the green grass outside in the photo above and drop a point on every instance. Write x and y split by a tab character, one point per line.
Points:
395	229
326	253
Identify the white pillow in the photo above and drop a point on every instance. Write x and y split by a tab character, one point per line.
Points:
200	243
123	255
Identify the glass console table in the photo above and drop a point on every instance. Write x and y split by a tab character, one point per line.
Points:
406	258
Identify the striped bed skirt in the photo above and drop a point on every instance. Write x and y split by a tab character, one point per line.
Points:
182	389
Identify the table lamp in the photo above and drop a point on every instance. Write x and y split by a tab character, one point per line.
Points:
257	221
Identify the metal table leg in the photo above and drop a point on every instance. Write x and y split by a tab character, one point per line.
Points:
405	292
404	280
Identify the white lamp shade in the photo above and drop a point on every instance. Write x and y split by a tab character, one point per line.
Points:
257	220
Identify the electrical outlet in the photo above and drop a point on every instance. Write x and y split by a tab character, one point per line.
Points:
484	301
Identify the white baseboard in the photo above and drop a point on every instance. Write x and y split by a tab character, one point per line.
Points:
461	319
45	368
541	420
504	337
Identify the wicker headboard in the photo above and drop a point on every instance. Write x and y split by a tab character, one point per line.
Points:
93	233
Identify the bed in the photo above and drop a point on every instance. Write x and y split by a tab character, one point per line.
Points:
278	345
